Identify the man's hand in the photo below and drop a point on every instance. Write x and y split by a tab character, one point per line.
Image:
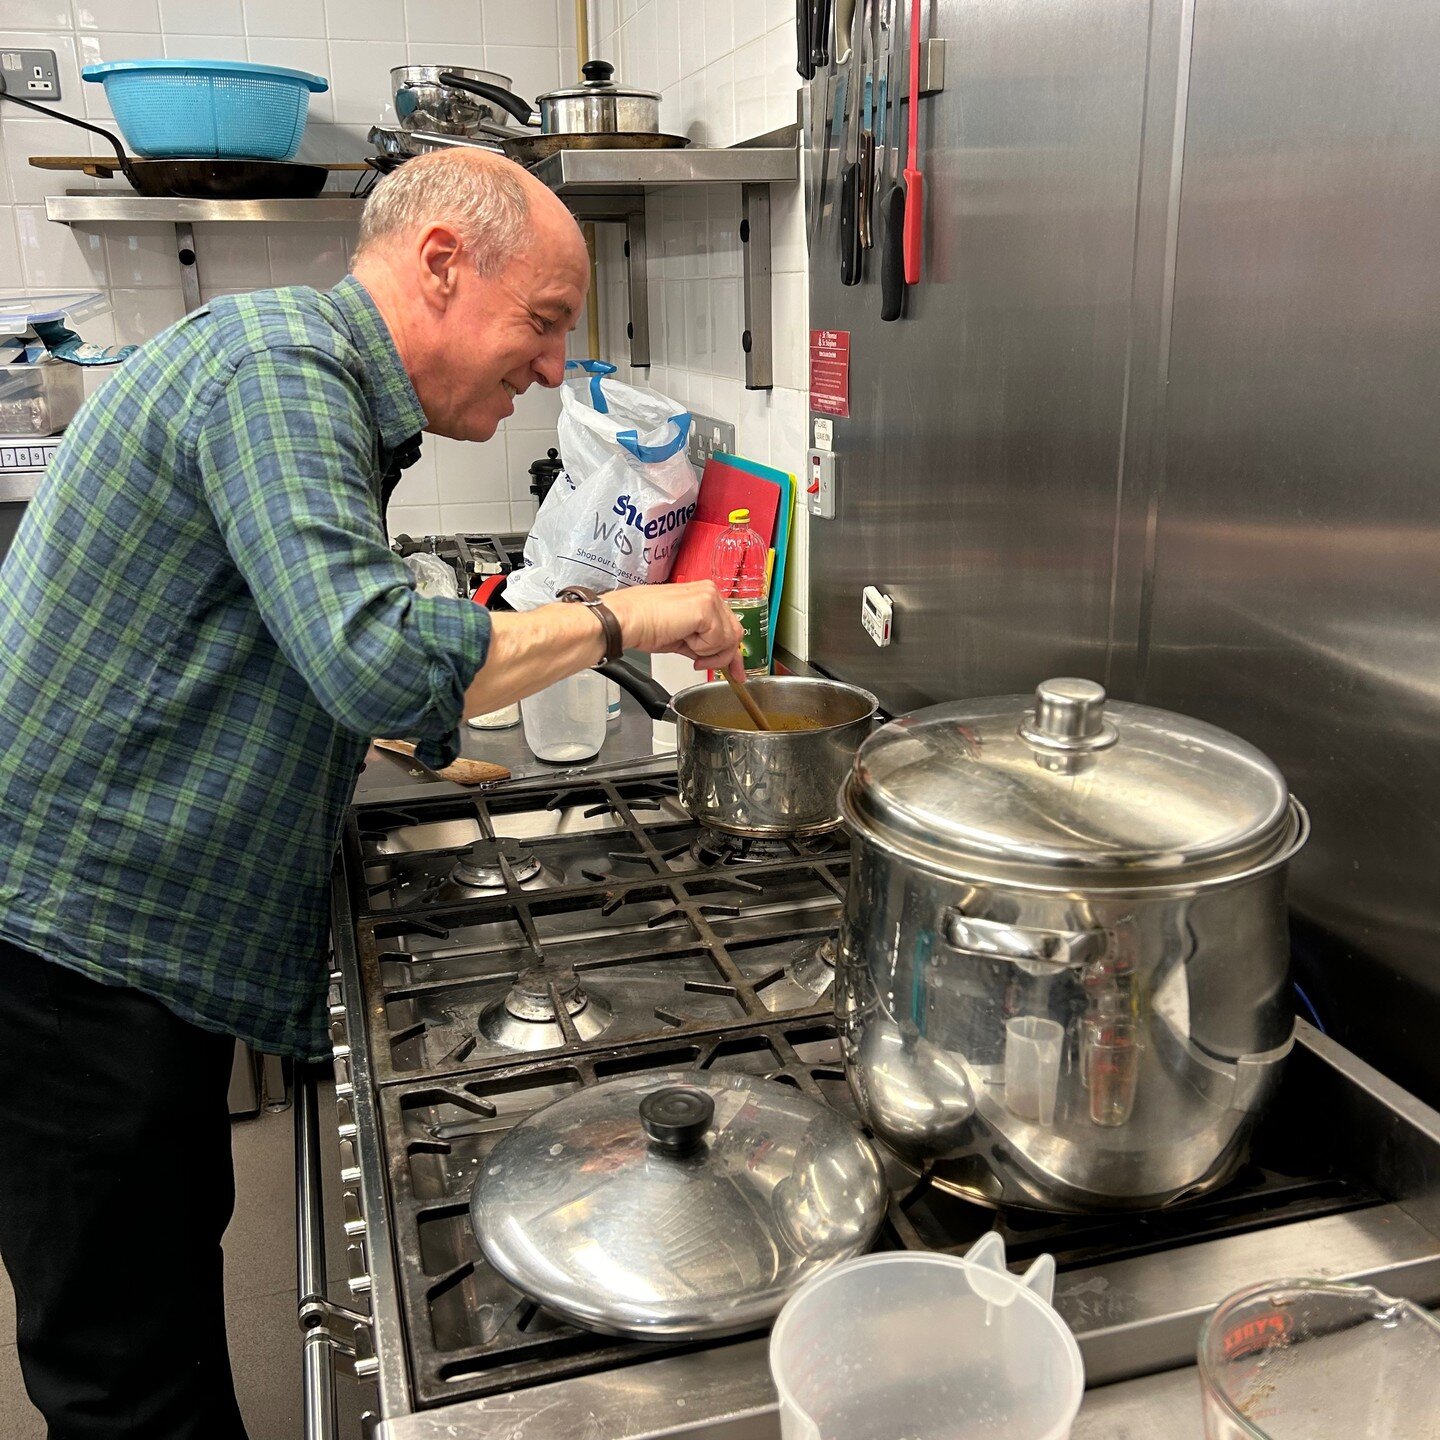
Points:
689	620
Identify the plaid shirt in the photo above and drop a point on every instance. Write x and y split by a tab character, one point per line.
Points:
201	627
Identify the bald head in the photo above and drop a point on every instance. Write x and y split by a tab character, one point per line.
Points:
480	274
494	205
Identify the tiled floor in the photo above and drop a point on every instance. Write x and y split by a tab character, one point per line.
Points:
260	1291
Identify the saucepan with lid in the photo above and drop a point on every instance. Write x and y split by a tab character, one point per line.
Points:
596	106
1064	960
783	782
676	1203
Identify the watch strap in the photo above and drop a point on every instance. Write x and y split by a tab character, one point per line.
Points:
582	595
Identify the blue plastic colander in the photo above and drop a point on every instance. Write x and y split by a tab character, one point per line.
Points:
168	109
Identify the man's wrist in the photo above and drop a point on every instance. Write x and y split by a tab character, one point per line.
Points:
612	640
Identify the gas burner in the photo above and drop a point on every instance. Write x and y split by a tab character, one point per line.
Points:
528	1017
480	867
813	970
716	847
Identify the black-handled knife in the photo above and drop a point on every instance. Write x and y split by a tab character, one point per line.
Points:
804	58
820	34
850	224
892	252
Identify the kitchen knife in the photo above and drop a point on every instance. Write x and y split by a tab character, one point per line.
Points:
820	35
850	263
892	219
914	176
834	110
804	58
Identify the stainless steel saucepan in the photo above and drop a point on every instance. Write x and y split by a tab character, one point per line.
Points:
782	782
597	106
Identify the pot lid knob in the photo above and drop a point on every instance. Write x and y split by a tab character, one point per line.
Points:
1069	715
597	72
676	1118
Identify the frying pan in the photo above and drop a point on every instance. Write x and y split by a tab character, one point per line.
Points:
396	145
201	179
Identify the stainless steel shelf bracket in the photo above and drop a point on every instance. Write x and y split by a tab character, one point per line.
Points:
758	338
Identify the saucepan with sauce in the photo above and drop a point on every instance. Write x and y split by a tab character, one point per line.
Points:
781	782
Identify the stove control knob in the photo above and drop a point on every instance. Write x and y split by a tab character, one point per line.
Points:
676	1118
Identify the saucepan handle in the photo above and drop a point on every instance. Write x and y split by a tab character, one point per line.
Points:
648	691
1023	944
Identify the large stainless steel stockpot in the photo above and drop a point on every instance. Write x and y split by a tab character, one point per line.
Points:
1064	962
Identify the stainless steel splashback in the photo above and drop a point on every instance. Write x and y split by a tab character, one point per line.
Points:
1164	412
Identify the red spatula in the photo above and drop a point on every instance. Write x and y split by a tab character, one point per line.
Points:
914	179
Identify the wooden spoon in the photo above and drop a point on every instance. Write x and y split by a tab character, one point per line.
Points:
462	771
746	696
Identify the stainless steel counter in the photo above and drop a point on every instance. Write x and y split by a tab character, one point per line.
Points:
388	776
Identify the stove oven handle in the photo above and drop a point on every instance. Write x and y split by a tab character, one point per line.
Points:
329	1329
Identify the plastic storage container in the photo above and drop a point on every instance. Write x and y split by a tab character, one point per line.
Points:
915	1346
1312	1360
208	108
39	398
565	722
739	570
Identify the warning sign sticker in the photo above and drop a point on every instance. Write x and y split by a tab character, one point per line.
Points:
830	372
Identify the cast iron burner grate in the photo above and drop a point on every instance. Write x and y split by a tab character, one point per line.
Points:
591	936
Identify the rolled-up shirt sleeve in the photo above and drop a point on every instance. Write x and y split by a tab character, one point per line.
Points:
286	452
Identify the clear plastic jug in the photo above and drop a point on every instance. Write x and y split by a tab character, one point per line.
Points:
566	721
1315	1360
917	1346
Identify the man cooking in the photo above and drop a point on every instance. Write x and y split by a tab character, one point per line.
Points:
201	629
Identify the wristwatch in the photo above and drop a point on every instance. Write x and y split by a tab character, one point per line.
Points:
581	595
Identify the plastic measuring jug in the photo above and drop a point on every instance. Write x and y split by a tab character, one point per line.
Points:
916	1346
566	720
1314	1360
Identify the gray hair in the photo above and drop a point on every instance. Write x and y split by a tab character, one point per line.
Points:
481	195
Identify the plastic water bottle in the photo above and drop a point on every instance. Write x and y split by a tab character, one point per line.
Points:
739	572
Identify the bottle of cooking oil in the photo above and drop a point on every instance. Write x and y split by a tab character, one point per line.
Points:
739	570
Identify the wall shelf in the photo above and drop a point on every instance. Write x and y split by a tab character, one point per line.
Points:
603	186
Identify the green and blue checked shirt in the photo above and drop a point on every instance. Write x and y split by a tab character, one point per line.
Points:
201	628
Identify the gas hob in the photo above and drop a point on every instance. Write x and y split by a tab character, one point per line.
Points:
498	951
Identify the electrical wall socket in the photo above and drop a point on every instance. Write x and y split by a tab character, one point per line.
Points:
30	74
708	436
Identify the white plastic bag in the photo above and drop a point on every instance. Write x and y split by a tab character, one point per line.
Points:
617	512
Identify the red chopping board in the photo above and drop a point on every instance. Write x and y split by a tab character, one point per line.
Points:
723	488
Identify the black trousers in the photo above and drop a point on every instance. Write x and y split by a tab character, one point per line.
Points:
115	1188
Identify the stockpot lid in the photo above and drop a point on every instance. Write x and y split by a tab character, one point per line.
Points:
1067	789
676	1203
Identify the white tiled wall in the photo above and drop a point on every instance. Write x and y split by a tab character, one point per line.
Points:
351	42
726	72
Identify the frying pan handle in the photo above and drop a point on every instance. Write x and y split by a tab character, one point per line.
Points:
50	114
503	98
649	692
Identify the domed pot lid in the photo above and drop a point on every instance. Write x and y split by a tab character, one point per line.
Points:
676	1203
1067	789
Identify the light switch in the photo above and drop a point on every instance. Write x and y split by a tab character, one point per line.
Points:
820	468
